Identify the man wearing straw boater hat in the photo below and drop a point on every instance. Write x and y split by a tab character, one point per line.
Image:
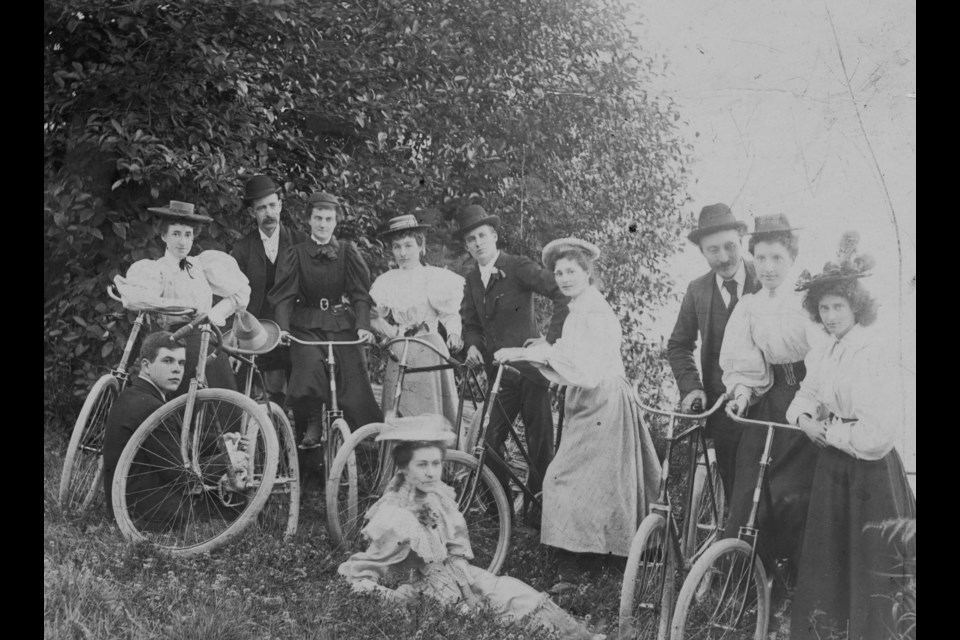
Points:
498	312
257	253
706	306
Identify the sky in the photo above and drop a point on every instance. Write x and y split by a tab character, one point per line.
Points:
780	126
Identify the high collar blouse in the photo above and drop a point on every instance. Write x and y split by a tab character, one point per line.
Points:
854	380
588	351
766	328
162	283
423	295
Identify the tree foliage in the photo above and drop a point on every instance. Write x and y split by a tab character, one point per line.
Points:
535	109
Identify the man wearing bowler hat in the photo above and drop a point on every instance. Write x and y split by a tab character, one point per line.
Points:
258	253
498	312
706	306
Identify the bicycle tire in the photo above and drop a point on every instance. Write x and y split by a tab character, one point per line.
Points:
281	513
723	597
702	529
82	472
488	516
645	609
188	513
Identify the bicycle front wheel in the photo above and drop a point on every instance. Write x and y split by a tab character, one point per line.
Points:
724	597
82	471
192	503
707	507
649	582
280	515
488	513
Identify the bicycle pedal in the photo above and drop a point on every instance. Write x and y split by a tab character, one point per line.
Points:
307	446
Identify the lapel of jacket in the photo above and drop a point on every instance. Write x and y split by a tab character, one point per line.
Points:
489	296
705	300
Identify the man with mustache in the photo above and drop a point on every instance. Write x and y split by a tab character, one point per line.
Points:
257	254
706	306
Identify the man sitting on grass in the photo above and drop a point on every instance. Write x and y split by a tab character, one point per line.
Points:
151	493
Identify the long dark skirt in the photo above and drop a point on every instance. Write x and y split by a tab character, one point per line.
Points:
783	507
309	386
851	568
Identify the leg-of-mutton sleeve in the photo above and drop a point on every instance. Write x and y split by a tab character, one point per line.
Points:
540	280
286	287
445	295
745	370
357	284
142	288
226	280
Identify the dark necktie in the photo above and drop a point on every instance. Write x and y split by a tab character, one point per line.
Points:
731	287
185	266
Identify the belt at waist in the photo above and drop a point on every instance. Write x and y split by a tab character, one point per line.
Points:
789	373
322	304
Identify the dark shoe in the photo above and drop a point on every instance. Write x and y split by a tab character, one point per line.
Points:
569	574
313	438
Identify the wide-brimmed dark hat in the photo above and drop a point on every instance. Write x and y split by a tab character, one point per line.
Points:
849	264
713	218
401	224
252	336
257	187
472	216
773	223
320	199
177	210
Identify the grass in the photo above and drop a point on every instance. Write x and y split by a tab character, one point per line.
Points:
98	586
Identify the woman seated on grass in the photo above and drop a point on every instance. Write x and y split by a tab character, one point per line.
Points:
416	532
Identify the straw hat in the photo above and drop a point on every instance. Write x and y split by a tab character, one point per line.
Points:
560	244
182	211
430	427
252	336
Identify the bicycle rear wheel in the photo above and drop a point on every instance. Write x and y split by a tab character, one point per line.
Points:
82	472
189	504
645	607
706	525
724	597
280	515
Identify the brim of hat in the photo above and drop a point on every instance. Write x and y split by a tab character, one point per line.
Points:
826	279
176	215
261	194
384	233
417	434
773	231
695	235
493	221
273	339
556	246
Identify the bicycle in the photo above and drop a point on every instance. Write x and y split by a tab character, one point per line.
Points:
665	541
82	472
363	467
183	483
727	592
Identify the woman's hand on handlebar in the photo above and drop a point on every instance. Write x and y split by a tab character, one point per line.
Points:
366	336
738	405
454	343
508	354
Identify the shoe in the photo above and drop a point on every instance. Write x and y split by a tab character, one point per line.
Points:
313	438
569	572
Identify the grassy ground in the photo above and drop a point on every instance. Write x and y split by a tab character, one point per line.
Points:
98	586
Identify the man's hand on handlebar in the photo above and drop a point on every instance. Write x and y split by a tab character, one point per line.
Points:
694	402
474	357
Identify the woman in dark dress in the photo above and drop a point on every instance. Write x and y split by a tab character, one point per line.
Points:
855	556
322	293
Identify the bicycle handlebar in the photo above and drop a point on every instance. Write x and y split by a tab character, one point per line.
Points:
167	311
288	338
762	423
677	414
193	324
386	345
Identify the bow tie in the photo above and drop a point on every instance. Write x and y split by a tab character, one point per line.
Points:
325	253
186	266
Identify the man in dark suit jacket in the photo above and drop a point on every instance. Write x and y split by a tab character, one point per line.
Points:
257	254
706	306
498	312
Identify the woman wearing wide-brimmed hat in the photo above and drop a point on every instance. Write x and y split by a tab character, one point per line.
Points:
413	300
852	561
179	279
606	470
764	345
321	293
417	534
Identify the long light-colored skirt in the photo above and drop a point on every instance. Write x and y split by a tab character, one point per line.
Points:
603	476
425	392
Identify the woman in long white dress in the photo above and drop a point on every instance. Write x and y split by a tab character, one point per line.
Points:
181	280
413	300
417	534
606	470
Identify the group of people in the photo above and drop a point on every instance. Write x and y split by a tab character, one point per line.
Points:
758	335
801	351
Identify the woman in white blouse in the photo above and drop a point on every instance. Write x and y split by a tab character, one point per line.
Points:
606	470
412	301
850	405
762	358
181	280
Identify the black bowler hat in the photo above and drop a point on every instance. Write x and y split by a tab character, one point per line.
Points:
713	218
258	187
472	216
